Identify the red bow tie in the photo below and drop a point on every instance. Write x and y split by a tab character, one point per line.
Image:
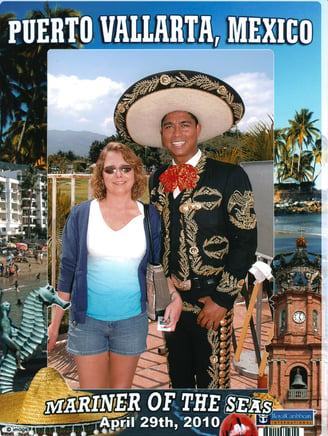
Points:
179	176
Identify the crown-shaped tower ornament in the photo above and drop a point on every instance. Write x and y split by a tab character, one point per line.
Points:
299	270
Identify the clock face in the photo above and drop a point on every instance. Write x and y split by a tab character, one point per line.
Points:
299	316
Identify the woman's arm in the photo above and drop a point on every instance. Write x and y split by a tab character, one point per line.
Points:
57	316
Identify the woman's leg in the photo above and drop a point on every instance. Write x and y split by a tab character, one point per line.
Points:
106	371
93	371
121	370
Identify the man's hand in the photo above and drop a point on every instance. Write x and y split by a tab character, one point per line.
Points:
173	310
211	314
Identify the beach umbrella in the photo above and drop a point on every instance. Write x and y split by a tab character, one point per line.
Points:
21	246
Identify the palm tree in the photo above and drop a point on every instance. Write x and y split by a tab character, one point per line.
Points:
227	154
25	115
257	143
283	162
8	71
303	169
254	145
317	157
25	140
301	132
36	59
278	145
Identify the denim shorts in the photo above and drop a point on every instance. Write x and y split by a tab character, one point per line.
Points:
126	337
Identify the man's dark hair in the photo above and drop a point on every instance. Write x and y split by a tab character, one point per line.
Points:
191	114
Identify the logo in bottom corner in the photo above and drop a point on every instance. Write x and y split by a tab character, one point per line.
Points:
263	419
287	417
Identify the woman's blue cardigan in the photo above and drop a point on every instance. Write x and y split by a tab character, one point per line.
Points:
73	265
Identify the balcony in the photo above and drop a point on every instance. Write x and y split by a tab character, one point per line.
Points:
32	225
298	394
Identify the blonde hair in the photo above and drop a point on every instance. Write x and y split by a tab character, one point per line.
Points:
97	180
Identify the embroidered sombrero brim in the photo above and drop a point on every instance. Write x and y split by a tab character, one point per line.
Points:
139	111
27	408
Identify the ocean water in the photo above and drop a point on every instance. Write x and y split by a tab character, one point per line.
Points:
289	227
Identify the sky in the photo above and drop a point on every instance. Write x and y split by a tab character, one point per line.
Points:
84	86
274	80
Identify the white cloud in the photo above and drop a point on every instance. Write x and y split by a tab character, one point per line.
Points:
69	93
108	123
257	91
81	104
83	120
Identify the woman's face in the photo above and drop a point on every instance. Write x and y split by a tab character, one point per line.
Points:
118	174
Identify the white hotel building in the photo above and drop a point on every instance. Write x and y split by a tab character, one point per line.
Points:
17	213
10	207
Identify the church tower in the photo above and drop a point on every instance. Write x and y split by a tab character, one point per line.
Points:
295	350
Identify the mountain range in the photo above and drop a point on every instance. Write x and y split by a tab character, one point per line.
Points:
78	142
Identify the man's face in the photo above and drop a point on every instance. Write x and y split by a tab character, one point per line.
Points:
179	135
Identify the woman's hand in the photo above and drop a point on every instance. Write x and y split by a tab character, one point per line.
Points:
56	318
173	310
52	336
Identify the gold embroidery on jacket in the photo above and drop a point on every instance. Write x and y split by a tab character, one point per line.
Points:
188	307
192	201
191	231
213	369
189	205
201	163
206	270
192	256
211	247
230	284
213	202
183	257
239	208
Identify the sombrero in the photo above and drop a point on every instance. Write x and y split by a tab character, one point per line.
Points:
24	412
139	111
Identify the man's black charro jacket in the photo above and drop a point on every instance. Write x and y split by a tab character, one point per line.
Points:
209	231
